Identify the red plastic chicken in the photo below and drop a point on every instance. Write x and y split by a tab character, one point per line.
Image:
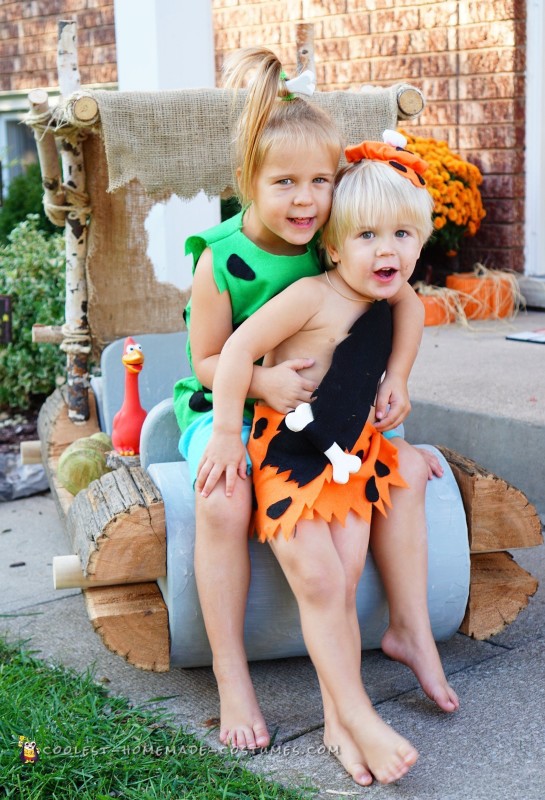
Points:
129	419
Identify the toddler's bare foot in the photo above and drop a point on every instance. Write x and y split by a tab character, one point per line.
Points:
342	746
386	754
242	725
418	651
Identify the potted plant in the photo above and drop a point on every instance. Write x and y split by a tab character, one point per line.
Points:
454	185
458	211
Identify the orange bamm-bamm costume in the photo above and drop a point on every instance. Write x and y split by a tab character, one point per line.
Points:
292	476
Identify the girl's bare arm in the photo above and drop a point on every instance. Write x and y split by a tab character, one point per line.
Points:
275	322
281	387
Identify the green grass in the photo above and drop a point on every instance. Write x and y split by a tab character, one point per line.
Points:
94	746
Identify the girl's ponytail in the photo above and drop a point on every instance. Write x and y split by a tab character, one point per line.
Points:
263	93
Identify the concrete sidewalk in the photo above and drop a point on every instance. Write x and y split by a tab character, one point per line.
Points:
484	396
494	747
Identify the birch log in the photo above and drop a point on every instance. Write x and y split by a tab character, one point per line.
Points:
304	38
47	334
48	157
77	342
410	102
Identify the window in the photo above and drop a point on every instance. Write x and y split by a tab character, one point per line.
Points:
17	148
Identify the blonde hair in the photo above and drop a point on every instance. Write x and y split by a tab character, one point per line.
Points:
270	118
370	193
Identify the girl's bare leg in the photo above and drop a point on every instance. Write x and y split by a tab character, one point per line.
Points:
222	569
399	546
316	576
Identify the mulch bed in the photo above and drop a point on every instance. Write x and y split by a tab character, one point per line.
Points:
18	480
17	427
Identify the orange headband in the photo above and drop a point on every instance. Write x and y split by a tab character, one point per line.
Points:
406	164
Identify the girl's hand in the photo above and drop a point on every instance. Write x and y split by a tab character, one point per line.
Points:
392	392
282	388
432	462
224	453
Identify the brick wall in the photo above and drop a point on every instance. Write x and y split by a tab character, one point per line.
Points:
28	36
467	56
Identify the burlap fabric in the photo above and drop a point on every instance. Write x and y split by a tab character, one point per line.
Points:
180	141
125	297
153	144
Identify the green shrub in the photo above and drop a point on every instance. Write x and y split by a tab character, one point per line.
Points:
229	207
24	196
32	269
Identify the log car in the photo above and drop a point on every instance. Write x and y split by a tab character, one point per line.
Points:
117	525
118	531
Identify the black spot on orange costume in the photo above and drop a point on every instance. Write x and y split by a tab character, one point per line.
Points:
292	476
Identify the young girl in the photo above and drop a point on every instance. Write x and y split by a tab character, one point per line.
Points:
288	156
315	514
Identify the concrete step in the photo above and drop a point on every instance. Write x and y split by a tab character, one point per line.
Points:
478	393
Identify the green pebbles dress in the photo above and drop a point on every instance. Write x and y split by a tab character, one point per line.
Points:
251	276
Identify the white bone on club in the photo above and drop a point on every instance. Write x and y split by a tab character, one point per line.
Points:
343	463
299	418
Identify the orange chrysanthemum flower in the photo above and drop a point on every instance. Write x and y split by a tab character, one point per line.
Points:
454	185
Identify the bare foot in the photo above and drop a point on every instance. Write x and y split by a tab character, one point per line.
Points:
242	725
339	742
419	653
386	754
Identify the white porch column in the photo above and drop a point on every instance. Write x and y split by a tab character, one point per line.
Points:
163	44
535	139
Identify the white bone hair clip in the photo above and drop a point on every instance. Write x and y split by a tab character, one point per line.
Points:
305	83
394	138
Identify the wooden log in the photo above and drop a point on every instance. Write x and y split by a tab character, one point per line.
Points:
56	432
117	528
304	42
410	102
85	109
31	452
67	574
499	590
47	334
119	524
48	156
132	622
67	57
81	110
499	516
77	342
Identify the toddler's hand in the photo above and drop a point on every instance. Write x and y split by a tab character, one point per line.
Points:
283	389
224	453
432	462
393	393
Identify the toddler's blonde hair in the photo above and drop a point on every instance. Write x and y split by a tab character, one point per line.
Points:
370	193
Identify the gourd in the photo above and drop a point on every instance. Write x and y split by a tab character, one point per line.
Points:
84	461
